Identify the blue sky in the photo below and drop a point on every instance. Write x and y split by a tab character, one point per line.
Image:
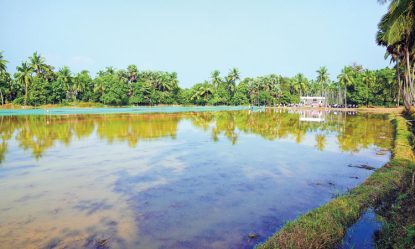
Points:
194	37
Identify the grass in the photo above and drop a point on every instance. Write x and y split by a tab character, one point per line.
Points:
399	217
326	226
399	222
77	104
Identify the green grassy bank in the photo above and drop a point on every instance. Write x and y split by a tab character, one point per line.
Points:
398	216
326	226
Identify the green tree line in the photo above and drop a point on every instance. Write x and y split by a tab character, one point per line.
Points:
38	83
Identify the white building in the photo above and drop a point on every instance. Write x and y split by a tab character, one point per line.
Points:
313	101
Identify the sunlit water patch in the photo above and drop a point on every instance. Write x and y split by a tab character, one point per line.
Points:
184	180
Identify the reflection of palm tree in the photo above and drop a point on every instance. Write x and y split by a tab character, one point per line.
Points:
3	150
38	134
320	141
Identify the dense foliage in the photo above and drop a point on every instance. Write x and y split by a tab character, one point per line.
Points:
397	33
37	83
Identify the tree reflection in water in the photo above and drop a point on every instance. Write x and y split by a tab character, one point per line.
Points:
39	133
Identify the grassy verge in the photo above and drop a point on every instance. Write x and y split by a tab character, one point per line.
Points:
68	104
325	227
399	217
398	222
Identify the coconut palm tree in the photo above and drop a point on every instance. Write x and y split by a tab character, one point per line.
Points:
300	83
79	83
346	79
162	82
397	33
232	77
24	77
323	78
3	72
3	63
275	83
253	90
215	79
110	70
202	92
369	78
38	64
132	73
99	87
65	77
205	91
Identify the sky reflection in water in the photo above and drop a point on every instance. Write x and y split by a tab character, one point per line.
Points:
188	180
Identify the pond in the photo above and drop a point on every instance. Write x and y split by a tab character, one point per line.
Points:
223	179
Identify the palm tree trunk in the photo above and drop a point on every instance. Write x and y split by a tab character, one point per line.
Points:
398	75
345	95
25	94
1	93
409	75
367	95
407	87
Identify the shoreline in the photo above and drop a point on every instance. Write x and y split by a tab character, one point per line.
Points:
384	110
326	226
88	105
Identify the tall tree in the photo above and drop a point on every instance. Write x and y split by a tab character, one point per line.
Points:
80	83
3	72
233	77
24	77
38	64
215	78
65	78
345	79
3	63
369	78
323	78
132	73
397	33
300	83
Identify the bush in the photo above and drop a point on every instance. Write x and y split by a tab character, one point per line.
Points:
18	101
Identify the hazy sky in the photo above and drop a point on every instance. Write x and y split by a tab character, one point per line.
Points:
194	37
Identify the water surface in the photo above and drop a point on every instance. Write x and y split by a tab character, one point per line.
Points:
176	180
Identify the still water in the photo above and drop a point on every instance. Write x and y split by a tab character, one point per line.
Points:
176	180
